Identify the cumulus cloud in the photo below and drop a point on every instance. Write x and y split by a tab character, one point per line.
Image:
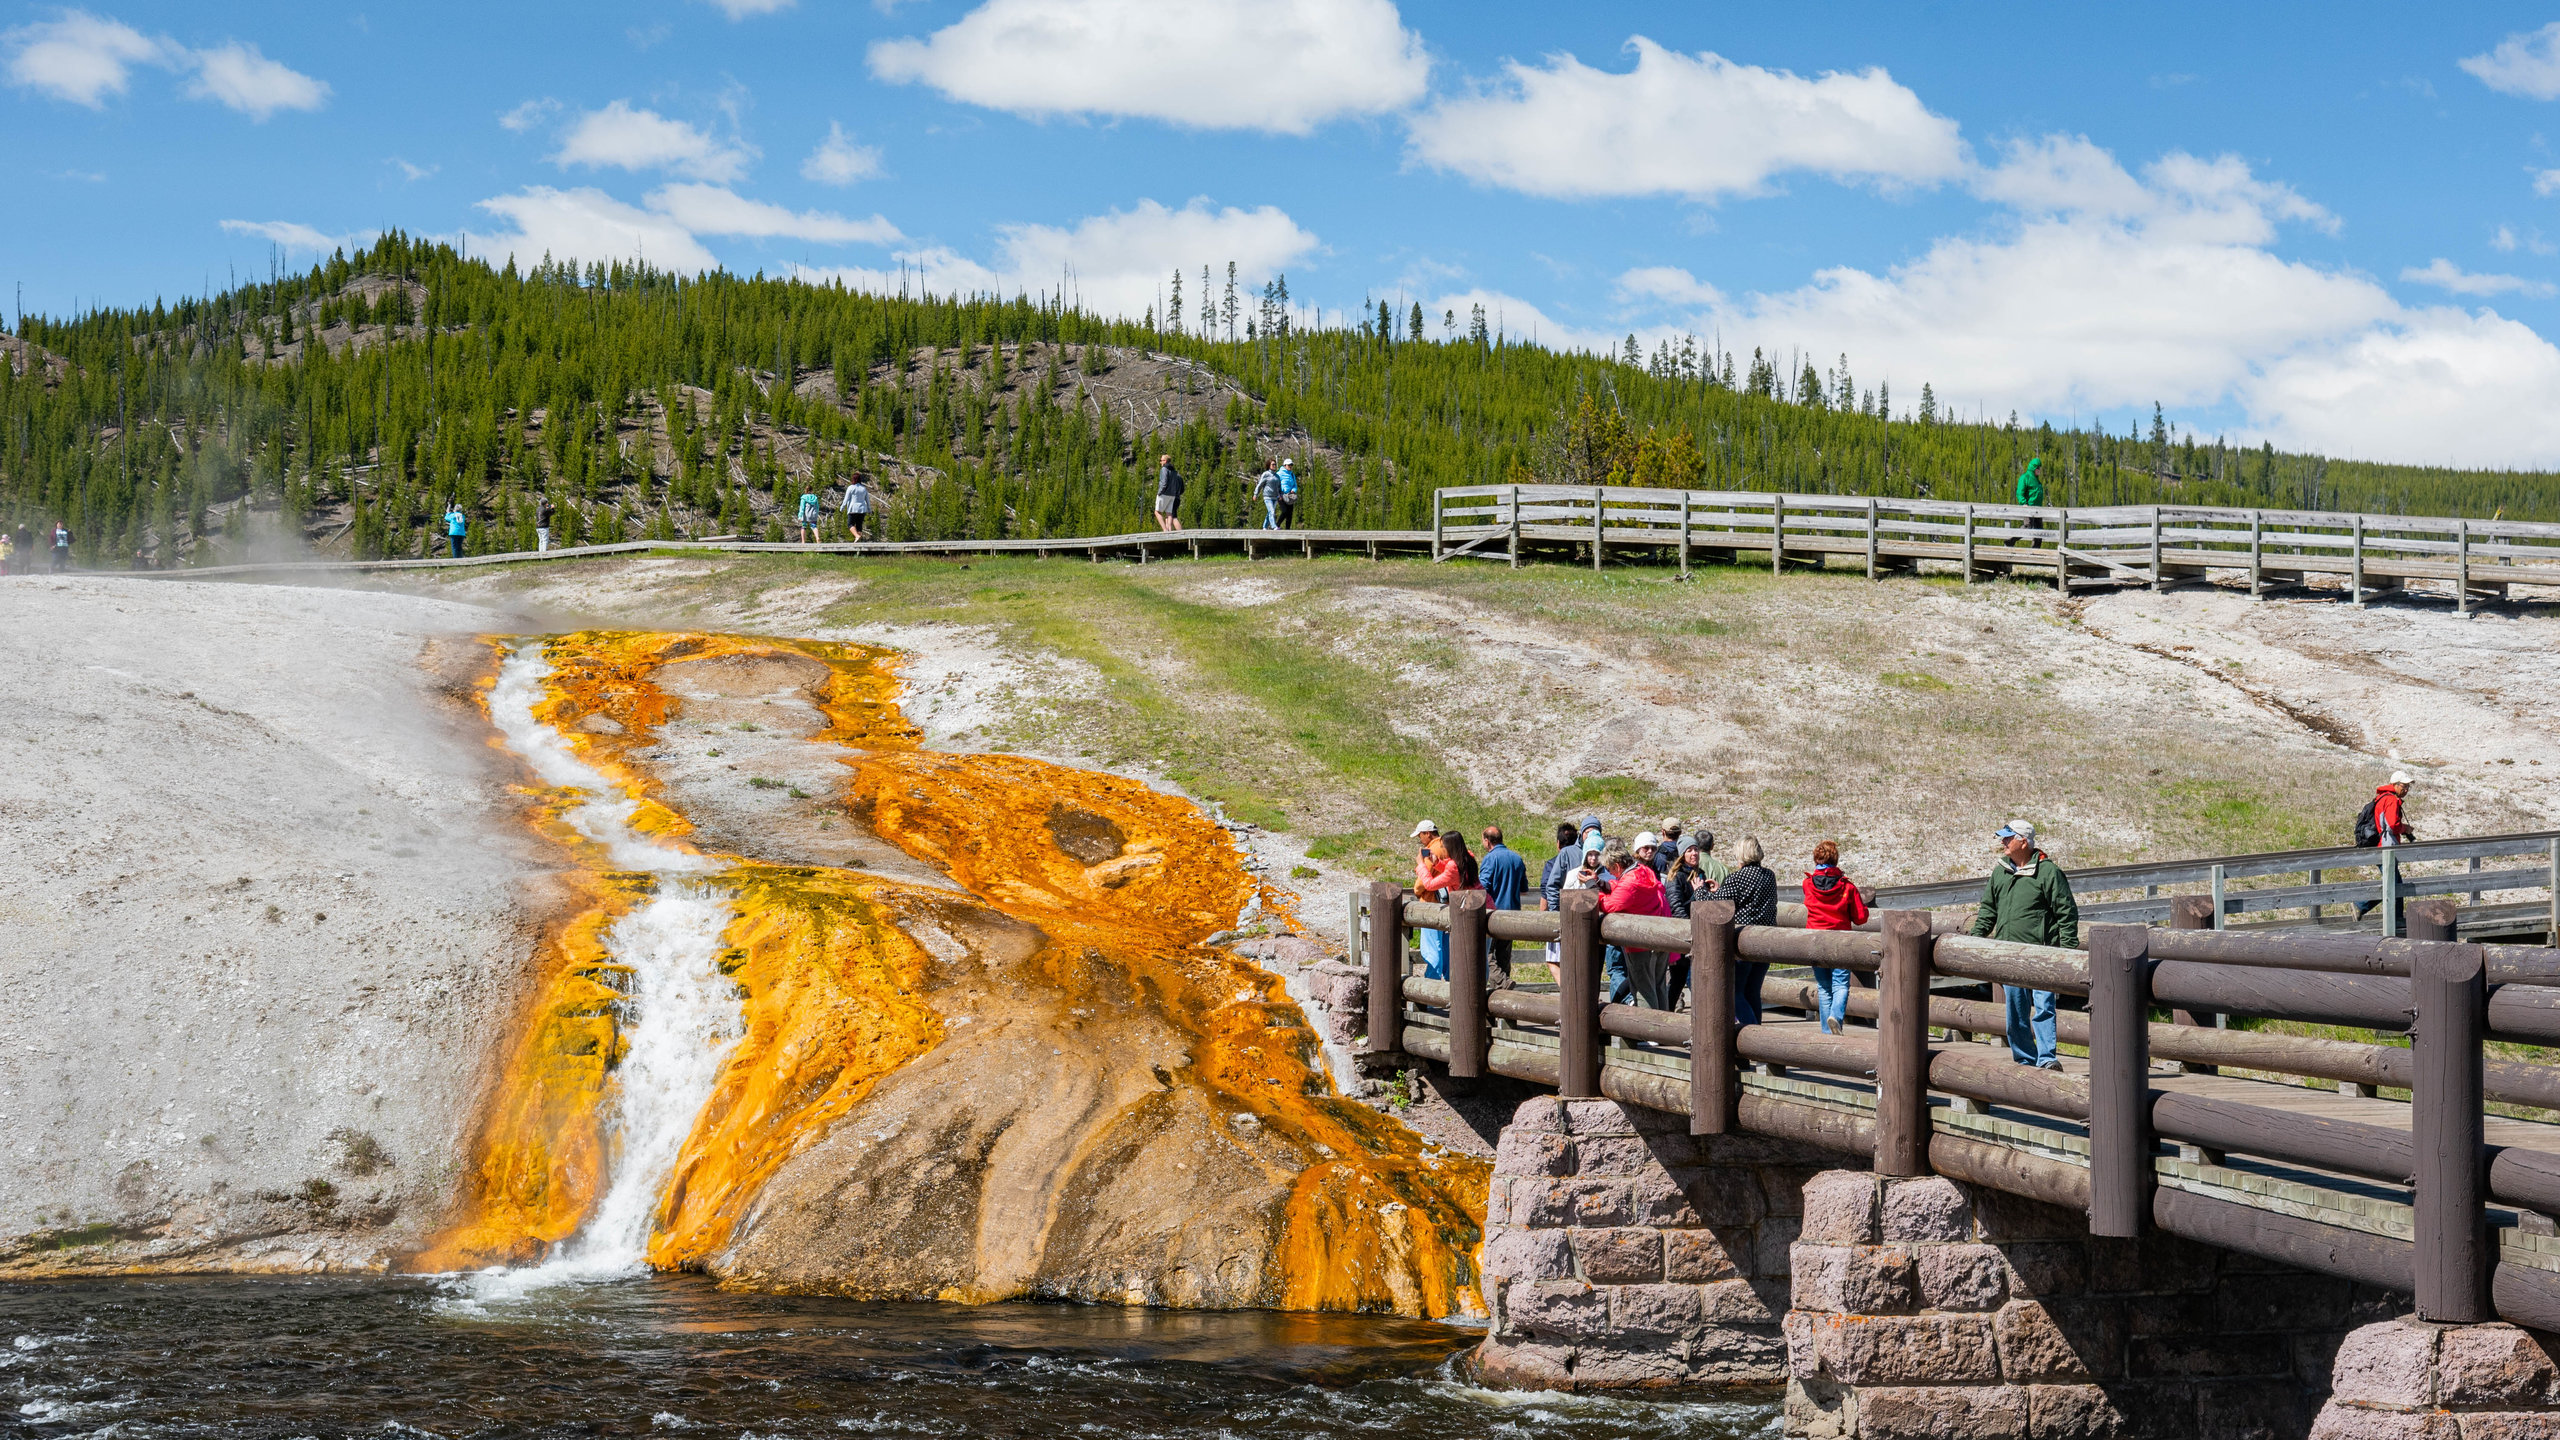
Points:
632	139
238	76
586	224
1669	284
2445	275
839	161
741	9
1115	264
2526	64
1284	66
82	58
1698	126
529	114
291	234
713	210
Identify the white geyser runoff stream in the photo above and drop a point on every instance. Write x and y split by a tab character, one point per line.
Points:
679	1019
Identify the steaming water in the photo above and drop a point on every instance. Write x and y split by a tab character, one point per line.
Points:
679	1019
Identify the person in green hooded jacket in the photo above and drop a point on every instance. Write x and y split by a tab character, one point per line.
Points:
2031	491
2028	900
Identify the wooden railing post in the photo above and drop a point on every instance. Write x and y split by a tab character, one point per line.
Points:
2257	549
2156	581
1515	527
1715	1081
1684	534
1968	542
2062	553
2355	576
1871	537
2192	912
1599	508
1777	532
2448	987
1386	968
2462	568
1470	1026
2391	922
2120	1176
1578	996
1902	1046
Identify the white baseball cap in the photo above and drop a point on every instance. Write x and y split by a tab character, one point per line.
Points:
1647	838
2401	777
2018	829
1424	827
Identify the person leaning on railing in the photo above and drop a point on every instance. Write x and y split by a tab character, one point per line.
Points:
1753	893
2028	899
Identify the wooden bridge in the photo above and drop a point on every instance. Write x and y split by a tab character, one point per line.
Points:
2072	546
2229	1137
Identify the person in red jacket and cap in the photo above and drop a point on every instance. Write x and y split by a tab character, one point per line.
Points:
1831	902
1634	889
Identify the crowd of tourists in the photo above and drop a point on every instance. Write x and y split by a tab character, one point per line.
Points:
1671	869
23	549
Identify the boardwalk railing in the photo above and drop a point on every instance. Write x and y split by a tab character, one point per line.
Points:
2086	545
2416	1199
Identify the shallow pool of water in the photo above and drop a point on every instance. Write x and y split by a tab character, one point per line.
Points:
678	1357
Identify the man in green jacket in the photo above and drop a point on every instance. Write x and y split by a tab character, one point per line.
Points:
2028	900
2031	491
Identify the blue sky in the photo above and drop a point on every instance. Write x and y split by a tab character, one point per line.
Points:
2334	226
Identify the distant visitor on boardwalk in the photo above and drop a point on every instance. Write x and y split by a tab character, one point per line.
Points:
2028	900
1505	877
1831	902
1169	483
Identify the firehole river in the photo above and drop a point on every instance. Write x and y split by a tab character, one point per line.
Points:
581	1336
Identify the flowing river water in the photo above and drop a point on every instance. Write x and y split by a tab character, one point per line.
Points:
705	1021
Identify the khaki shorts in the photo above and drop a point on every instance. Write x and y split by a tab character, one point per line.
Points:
1165	504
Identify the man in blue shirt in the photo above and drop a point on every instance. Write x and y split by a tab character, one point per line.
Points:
1505	877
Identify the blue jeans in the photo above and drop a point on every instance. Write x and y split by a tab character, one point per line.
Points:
2030	1026
1834	1006
1613	966
1270	514
457	545
1747	975
1435	954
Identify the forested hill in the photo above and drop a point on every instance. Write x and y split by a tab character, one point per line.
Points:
344	408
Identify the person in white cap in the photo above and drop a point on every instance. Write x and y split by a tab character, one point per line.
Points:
2028	899
1287	477
1667	847
2383	824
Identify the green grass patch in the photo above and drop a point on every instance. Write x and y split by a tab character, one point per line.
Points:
1920	680
1608	792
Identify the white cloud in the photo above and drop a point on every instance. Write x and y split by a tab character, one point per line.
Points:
291	234
741	9
1697	126
712	210
82	58
529	114
2526	64
238	76
2445	275
410	172
588	225
2546	181
630	139
1669	284
2503	240
2438	385
839	161
1276	65
1114	264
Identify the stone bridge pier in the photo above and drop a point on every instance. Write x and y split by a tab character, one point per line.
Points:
1623	1253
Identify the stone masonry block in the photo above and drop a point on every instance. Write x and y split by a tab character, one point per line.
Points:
2354	1422
1514	1254
1597	1117
1942	1412
1905	1349
2250	1410
1729	1355
1771	1240
1598	1204
1961	1277
1695	1257
1782	1186
1642	1367
2002	1217
2492	1365
1541	1204
1721	1196
2047	1267
1497	1202
1840	1208
1658	1312
1658	1201
2285	1301
1819	1410
1736	1302
2208	1353
2388	1366
2073	1412
1629	1255
1557	1310
1854	1279
1543	1114
1616	1155
2058	1343
2510	1425
1525	1365
1931	1209
1531	1153
2152	1265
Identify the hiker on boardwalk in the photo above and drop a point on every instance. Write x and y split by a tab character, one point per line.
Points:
1266	488
541	522
1559	869
857	506
1753	893
1642	976
62	547
1831	902
456	525
2028	899
1442	869
1505	877
807	518
1169	483
2031	492
2384	825
1286	480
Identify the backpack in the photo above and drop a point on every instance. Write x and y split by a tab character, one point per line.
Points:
2368	835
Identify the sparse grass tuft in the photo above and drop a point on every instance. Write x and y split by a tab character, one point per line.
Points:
1915	680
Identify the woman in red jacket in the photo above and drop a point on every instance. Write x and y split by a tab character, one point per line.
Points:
1442	869
1831	902
1635	890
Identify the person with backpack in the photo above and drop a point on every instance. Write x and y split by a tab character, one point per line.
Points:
2028	899
807	518
1831	902
542	511
1266	488
1288	494
1169	483
456	525
2383	824
857	506
61	547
